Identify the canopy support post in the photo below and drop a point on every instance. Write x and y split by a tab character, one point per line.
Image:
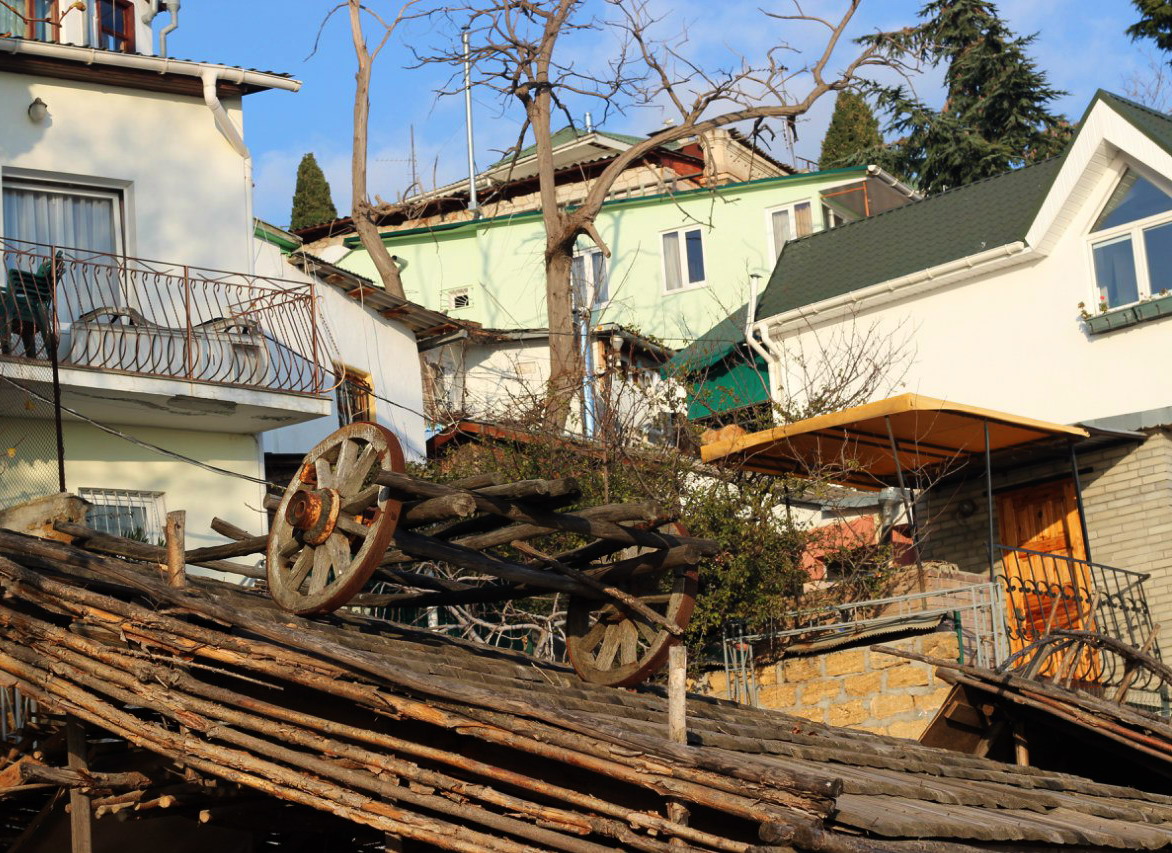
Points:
910	508
1082	515
992	544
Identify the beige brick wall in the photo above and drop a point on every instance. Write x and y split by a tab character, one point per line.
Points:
1127	492
855	687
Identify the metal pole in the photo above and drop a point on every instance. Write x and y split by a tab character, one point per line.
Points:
52	339
989	505
909	508
1082	515
473	205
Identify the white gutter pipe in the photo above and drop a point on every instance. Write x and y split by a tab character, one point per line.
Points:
173	24
160	65
229	131
751	320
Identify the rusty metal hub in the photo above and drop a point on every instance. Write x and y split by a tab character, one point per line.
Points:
314	513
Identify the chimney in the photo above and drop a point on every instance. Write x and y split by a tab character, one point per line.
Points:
589	123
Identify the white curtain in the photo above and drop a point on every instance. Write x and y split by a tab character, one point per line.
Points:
51	218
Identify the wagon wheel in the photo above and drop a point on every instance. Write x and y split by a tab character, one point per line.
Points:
611	645
334	524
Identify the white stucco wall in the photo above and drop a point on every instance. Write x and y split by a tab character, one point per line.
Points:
185	194
358	338
1010	339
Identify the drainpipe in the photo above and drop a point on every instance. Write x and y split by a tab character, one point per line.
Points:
172	25
762	347
473	205
229	132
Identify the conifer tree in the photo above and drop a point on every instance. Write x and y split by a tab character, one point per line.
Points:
996	114
1155	22
312	202
853	138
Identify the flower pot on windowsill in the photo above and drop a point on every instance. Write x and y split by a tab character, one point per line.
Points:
1109	321
1160	306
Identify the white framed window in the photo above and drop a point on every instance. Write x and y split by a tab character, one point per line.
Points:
457	297
789	223
1131	243
831	218
68	215
683	259
589	274
128	513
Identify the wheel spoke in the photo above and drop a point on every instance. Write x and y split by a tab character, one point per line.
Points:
290	547
347	451
300	568
351	480
339	548
325	475
609	647
321	569
629	643
362	500
649	633
593	637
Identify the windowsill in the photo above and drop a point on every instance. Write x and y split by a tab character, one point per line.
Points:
1130	315
697	286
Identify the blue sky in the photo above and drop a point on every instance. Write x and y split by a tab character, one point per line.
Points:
1080	44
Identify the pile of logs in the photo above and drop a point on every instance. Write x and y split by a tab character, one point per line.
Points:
392	731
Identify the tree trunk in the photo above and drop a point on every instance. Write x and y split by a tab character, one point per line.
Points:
566	366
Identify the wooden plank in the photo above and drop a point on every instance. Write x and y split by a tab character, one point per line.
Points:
80	808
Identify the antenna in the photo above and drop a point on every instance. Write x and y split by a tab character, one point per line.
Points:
473	205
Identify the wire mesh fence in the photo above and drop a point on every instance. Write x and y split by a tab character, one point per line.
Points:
29	462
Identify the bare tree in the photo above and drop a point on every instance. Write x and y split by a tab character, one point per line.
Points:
519	50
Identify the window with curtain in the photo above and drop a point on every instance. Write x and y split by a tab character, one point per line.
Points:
67	217
683	259
589	276
1131	243
33	19
355	396
790	222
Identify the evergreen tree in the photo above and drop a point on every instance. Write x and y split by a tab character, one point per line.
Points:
996	114
311	199
853	138
1155	22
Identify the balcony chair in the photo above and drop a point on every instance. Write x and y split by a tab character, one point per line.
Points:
26	307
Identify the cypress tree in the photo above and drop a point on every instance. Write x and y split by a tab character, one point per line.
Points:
996	114
1155	22
311	198
853	135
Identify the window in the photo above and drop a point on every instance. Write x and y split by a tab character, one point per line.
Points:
459	297
1131	243
123	512
32	19
73	217
589	277
116	25
683	259
355	396
831	218
789	223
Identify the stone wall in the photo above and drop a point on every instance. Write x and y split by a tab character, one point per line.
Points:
856	687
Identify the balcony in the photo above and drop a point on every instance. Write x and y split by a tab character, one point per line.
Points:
145	328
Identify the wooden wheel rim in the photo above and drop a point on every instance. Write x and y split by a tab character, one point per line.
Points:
616	665
306	578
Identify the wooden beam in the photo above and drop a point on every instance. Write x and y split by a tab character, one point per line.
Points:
175	534
80	808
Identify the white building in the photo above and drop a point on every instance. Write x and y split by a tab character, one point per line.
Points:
171	370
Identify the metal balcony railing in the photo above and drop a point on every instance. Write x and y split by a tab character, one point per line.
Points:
1046	592
133	316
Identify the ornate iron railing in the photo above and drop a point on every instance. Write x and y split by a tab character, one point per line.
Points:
129	315
1050	592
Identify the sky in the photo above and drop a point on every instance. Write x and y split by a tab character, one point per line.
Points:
1080	43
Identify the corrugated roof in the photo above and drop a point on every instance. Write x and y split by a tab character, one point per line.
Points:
916	236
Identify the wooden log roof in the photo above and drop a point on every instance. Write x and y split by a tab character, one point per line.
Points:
461	747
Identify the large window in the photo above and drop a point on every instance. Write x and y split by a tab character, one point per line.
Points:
683	259
63	215
355	396
31	19
116	25
1131	243
790	222
589	275
124	512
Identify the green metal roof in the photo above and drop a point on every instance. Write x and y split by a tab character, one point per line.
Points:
916	236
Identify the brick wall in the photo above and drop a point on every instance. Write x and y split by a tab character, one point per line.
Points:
1127	492
855	687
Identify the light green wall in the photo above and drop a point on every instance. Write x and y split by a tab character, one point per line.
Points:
96	459
501	258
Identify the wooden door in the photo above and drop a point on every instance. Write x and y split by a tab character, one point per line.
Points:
1046	592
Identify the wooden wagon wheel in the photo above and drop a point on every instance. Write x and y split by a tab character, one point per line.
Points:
611	645
334	524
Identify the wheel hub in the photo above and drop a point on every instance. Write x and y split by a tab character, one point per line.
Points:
314	512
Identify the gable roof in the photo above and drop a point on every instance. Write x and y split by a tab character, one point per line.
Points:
917	236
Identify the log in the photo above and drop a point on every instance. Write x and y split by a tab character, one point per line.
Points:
176	566
225	528
81	778
104	543
437	509
81	826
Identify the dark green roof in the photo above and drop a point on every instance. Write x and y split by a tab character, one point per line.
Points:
917	236
569	134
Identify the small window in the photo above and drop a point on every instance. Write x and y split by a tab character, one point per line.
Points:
31	19
116	25
63	215
459	297
790	223
590	280
130	514
831	217
1131	248
355	396
683	259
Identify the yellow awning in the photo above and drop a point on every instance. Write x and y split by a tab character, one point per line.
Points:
854	446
